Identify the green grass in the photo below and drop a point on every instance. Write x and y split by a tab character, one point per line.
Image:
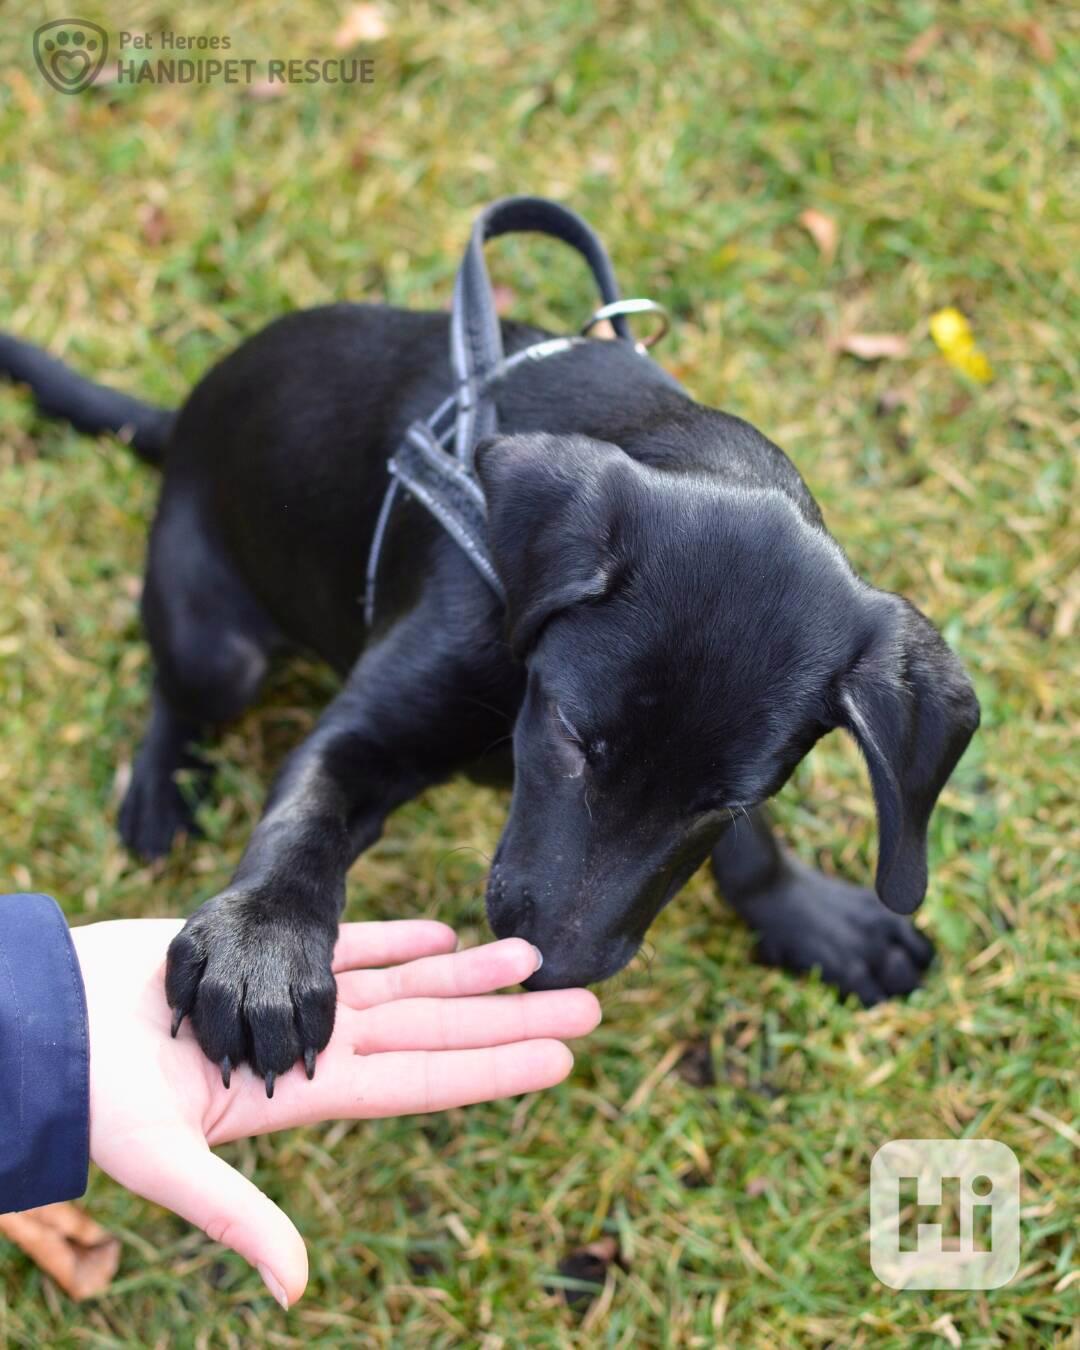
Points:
143	232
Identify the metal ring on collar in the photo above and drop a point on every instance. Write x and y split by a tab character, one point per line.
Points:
631	306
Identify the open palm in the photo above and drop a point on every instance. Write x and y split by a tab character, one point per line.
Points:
419	1028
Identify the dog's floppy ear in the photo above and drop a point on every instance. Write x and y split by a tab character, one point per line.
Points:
552	502
912	709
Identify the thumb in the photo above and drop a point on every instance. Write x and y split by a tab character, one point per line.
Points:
184	1176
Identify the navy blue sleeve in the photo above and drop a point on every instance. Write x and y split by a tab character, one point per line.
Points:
44	1057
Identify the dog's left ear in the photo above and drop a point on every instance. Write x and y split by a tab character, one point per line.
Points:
553	505
911	707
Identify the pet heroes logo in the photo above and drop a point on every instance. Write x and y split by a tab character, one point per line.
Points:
70	54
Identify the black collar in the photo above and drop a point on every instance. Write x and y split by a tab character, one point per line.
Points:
424	466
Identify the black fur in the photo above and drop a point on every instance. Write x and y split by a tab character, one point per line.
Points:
680	629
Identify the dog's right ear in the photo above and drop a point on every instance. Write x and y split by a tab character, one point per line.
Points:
552	504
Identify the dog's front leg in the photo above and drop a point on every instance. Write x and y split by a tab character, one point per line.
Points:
252	967
806	921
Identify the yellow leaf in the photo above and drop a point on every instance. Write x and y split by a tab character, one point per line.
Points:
956	342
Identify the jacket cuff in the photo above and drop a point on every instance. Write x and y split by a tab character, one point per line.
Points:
44	1057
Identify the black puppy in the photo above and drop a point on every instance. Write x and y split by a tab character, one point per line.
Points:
679	630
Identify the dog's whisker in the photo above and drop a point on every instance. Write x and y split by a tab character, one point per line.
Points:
499	740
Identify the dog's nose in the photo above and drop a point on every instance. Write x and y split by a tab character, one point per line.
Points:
511	911
573	958
513	914
550	976
561	974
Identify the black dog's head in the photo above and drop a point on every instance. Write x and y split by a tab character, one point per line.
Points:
687	642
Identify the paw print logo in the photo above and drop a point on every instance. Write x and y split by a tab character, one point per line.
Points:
70	53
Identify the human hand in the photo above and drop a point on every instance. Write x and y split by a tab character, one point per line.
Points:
417	1029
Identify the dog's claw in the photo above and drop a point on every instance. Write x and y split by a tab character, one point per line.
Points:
309	1062
177	1018
226	1071
269	1080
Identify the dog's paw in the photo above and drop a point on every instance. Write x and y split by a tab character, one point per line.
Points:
813	922
156	809
255	982
152	814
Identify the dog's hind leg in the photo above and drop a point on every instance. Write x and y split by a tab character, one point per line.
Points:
805	920
210	642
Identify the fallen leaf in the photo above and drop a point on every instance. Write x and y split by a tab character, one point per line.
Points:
873	346
80	1255
1037	38
756	1186
923	45
696	1064
363	23
590	1265
822	230
955	340
155	224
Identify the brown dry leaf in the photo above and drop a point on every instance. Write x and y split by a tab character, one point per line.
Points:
923	45
155	224
873	346
696	1065
590	1265
363	23
80	1255
822	230
1037	38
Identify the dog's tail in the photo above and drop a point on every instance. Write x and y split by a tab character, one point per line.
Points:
60	392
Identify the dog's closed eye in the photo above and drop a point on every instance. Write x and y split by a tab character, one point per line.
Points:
572	746
571	732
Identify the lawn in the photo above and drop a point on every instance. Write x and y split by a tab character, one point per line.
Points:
716	1133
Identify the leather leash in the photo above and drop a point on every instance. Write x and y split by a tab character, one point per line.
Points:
435	461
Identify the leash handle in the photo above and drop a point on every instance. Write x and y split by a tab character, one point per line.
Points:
476	348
